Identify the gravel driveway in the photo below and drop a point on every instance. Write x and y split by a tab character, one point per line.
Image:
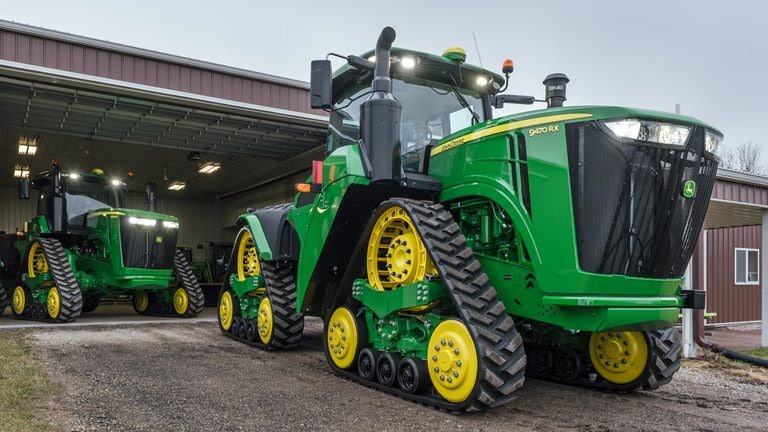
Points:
188	377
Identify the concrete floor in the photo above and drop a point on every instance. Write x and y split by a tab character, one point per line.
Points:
105	315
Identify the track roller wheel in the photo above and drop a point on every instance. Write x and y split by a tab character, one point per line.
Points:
20	302
90	302
412	375
188	298
540	360
568	364
344	336
229	309
386	368
242	329
366	363
235	329
250	331
452	361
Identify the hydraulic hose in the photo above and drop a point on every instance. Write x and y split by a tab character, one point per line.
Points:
698	337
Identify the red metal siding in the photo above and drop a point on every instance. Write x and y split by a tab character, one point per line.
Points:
745	193
733	303
104	63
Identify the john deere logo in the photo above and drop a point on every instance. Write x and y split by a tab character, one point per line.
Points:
689	189
158	239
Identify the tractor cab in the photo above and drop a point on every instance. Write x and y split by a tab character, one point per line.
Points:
66	198
440	95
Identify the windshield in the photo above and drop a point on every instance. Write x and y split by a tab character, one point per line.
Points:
431	111
84	195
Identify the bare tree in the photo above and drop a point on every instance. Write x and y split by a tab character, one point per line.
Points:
746	157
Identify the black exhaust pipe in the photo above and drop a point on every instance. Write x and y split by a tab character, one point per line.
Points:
151	196
57	201
380	117
555	85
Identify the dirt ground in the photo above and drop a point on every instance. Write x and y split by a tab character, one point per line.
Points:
188	377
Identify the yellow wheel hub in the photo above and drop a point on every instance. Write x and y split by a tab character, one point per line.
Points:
53	302
264	320
247	257
19	301
342	337
36	262
226	311
180	301
619	357
452	361
141	301
396	255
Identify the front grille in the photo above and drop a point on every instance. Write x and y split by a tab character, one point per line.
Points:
147	247
631	218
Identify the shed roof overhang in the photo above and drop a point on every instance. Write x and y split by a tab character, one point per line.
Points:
36	98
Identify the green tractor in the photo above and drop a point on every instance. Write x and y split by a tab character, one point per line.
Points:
83	245
450	254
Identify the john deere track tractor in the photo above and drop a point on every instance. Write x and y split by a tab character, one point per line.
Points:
450	254
83	245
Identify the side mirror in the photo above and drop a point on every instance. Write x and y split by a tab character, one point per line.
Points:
200	246
320	94
24	189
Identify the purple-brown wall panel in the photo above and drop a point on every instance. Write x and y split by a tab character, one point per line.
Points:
135	69
740	192
731	302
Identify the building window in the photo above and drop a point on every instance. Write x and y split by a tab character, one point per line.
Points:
747	266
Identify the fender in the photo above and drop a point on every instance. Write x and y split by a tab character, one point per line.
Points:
273	236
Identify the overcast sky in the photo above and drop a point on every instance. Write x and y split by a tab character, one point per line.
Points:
709	56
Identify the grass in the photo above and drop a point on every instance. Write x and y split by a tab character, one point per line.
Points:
24	386
761	352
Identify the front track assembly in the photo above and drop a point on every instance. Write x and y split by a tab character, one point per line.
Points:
186	297
500	355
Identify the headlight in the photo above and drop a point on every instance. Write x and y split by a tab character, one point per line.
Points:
651	131
170	224
712	142
142	221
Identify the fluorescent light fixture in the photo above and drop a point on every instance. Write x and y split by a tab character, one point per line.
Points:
116	182
27	146
21	171
408	62
74	176
170	224
142	221
209	167
177	186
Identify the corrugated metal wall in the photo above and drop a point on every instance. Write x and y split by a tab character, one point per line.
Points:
740	192
733	303
277	192
105	63
199	221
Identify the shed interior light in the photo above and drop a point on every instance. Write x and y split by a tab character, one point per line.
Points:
209	167
27	146
177	186
21	171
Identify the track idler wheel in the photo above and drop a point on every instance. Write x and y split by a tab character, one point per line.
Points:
345	334
386	369
20	302
229	309
619	357
452	360
412	375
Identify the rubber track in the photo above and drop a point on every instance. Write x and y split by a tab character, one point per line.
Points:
664	359
499	346
191	285
287	324
4	299
69	290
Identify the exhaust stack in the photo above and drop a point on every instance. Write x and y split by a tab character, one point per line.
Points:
151	196
380	117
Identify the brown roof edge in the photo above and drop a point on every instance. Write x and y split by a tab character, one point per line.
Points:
141	52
